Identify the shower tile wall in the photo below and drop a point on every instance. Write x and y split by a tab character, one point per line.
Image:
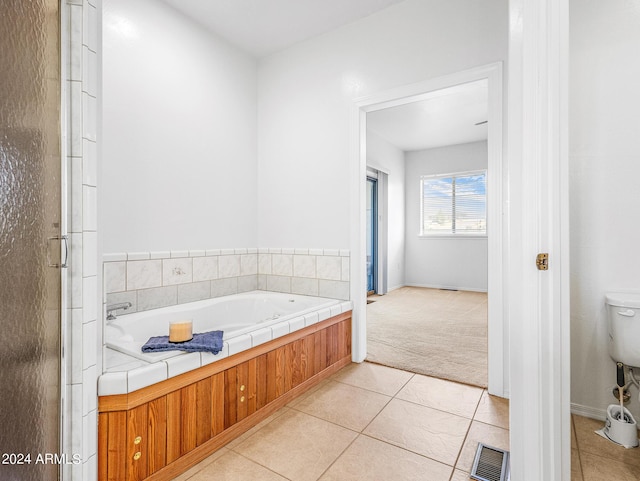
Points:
157	279
80	34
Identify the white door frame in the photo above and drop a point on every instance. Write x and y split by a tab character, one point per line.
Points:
538	223
496	181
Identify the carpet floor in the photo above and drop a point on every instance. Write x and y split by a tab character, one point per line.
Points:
430	331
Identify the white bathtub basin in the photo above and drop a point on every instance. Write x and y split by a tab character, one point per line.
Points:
236	315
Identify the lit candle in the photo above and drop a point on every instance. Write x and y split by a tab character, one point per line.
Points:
180	331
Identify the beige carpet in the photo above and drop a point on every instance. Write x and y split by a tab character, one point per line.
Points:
430	331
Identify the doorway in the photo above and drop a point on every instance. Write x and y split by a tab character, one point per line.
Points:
434	321
415	93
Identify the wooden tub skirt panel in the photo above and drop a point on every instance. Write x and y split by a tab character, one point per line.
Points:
158	432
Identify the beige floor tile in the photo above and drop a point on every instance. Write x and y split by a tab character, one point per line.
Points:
369	459
348	406
460	476
589	442
576	470
596	468
201	465
297	445
233	467
481	433
448	396
493	410
432	433
257	427
374	377
306	394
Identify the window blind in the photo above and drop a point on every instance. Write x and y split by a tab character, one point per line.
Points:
454	204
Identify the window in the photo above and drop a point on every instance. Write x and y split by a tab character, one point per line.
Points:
454	204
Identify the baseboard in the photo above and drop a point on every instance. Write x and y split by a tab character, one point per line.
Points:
589	412
455	288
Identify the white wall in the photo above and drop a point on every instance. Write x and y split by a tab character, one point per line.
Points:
604	192
382	155
180	134
458	263
306	93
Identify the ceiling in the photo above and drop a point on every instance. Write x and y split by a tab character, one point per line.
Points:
446	117
262	27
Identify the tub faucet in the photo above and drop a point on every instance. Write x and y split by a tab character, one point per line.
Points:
114	307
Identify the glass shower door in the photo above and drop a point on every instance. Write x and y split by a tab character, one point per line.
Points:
30	217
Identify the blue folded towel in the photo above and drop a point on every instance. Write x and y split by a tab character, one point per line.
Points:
205	342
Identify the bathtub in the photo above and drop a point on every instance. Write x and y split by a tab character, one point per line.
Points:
246	319
181	409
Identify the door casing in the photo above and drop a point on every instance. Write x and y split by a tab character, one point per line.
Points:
496	182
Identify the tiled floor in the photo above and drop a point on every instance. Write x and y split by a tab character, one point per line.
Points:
594	458
371	422
366	422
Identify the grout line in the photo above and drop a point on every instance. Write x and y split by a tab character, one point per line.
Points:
464	441
338	457
261	465
378	414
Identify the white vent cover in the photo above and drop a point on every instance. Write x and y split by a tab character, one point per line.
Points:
490	464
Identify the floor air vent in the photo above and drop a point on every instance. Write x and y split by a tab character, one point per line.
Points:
490	464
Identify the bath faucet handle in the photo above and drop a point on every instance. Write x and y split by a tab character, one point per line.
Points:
115	307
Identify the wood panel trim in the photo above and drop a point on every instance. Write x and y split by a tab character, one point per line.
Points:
157	435
116	446
124	402
196	455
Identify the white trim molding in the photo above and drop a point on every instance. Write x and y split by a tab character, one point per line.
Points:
538	300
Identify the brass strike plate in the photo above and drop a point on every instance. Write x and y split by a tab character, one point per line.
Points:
542	261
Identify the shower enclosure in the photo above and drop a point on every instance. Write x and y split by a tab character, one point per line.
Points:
30	240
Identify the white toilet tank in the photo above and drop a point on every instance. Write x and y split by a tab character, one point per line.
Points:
623	312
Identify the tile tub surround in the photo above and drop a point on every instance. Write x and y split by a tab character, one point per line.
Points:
125	374
150	280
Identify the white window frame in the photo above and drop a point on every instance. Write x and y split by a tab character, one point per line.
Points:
459	234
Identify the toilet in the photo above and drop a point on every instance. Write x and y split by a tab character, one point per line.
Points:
623	313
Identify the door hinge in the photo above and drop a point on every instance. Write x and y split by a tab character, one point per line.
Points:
542	261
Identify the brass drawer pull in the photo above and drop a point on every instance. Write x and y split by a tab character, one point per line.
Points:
137	440
242	388
242	399
137	456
